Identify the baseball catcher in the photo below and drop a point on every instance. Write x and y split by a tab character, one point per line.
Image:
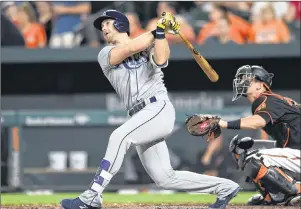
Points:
275	171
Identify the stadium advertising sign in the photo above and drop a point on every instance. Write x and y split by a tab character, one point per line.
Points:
56	120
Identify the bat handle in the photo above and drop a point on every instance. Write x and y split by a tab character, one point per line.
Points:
185	40
181	35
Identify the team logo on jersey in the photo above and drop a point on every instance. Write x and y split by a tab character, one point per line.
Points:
135	61
262	106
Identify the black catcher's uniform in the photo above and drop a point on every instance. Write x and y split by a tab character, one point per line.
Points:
275	171
282	116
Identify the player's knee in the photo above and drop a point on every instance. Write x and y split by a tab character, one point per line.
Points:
231	185
167	181
165	184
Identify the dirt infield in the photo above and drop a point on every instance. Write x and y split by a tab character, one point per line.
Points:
147	206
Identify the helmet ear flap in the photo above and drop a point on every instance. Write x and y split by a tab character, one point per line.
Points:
121	27
116	25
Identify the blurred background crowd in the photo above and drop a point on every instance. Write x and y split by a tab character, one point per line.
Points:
68	24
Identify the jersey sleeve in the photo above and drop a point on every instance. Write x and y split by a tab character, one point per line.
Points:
269	108
152	61
104	59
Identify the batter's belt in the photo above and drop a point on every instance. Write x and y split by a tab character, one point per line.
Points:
141	105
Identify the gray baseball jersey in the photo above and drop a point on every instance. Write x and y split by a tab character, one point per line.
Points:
136	78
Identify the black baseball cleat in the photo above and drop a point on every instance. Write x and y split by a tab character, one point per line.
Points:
256	199
222	203
75	204
295	201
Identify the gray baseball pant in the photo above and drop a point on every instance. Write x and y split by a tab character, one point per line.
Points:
147	130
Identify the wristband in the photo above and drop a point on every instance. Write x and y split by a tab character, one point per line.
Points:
234	124
160	34
154	33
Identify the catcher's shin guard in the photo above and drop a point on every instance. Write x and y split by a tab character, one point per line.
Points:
277	181
271	180
252	170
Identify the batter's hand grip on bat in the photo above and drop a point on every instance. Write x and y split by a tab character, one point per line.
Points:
168	17
205	66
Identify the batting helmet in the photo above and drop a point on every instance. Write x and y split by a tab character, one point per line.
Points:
121	22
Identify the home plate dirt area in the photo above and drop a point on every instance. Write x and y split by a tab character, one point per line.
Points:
146	206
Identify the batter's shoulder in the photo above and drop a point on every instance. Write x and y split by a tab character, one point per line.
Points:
104	58
106	49
104	52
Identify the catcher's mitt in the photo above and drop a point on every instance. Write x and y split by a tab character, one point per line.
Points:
201	125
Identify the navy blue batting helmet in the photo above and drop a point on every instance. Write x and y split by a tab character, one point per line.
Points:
121	22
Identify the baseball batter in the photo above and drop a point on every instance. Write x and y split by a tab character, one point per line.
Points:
275	171
133	67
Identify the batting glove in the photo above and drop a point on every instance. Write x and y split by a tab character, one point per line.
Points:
174	27
162	23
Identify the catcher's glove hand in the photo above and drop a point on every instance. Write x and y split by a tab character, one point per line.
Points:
201	125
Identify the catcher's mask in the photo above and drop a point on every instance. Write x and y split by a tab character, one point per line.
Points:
245	75
238	148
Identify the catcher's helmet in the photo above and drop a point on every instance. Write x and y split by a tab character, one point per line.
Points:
243	78
121	22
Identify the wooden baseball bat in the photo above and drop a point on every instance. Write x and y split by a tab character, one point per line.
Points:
202	62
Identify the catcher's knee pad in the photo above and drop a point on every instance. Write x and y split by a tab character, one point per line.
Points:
270	180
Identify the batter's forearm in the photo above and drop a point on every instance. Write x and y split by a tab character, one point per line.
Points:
141	43
120	53
161	48
251	122
161	51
